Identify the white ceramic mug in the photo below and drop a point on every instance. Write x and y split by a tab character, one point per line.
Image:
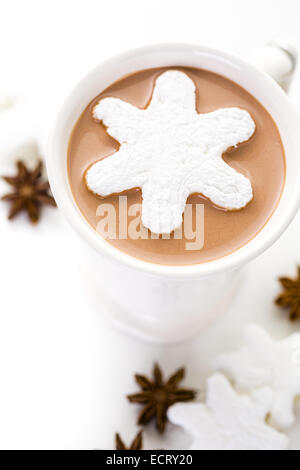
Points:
160	302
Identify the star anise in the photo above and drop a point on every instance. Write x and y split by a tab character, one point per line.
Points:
158	395
30	192
290	297
137	443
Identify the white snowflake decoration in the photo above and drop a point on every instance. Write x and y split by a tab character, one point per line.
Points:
265	362
227	420
170	151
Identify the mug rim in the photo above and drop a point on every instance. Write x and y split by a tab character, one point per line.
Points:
228	262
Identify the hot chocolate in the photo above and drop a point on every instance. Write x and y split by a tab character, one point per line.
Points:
260	159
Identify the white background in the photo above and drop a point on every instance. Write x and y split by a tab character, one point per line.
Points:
64	372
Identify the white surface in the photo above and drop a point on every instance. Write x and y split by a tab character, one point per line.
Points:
64	373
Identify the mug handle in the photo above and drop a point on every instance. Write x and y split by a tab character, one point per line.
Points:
277	59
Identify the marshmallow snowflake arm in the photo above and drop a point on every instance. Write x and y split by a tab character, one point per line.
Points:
177	94
282	411
228	421
114	174
119	117
264	362
233	126
249	367
160	207
226	188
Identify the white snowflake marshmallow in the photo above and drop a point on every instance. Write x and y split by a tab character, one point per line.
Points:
264	362
170	151
227	420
